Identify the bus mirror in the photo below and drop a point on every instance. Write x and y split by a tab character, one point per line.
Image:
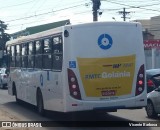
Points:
66	33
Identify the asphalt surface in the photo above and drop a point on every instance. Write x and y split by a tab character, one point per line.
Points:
85	120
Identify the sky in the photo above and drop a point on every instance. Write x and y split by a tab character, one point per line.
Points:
20	14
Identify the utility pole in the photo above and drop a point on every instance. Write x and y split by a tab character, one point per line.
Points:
124	13
96	6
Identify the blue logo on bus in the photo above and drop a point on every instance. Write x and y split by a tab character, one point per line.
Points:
72	64
105	41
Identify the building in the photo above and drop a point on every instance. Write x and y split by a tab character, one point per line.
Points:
151	36
151	25
155	27
39	28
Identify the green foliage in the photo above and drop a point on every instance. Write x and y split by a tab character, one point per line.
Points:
4	37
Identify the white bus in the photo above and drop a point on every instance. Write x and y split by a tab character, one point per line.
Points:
84	67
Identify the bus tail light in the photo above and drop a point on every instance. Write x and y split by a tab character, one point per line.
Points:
73	85
140	85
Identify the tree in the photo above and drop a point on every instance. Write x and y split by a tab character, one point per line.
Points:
4	37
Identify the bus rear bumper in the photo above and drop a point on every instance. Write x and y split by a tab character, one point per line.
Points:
108	106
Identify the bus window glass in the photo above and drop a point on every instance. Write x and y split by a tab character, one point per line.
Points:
56	40
47	57
8	61
47	46
18	50
31	48
57	53
18	56
57	44
24	55
38	55
12	56
24	49
38	47
8	50
31	55
12	51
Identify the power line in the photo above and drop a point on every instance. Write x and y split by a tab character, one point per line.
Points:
149	5
44	19
140	7
76	13
72	7
48	7
132	6
44	13
17	4
32	7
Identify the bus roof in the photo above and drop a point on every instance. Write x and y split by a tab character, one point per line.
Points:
35	36
60	29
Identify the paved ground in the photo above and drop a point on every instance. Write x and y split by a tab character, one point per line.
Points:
11	111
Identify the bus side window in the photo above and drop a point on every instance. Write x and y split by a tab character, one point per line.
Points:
18	56
31	52
57	44
38	55
12	56
57	53
24	55
47	57
8	50
8	56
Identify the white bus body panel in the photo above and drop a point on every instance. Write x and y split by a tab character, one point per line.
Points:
90	59
82	44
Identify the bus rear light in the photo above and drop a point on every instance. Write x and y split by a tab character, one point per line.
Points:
73	79
140	89
141	75
75	93
140	82
140	85
73	85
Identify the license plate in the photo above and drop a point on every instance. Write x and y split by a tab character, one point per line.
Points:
108	93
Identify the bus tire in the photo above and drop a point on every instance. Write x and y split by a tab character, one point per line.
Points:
1	85
40	105
15	93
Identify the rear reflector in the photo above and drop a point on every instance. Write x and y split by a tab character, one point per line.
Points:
73	85
140	81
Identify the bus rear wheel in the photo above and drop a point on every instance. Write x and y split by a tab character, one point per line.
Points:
15	93
40	106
